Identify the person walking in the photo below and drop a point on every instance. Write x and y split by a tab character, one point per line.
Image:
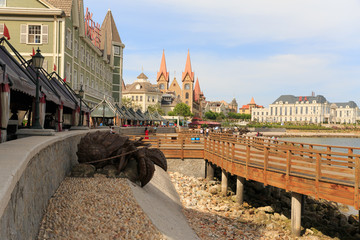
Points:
146	133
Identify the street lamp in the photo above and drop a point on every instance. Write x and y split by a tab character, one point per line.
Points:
37	62
81	96
104	103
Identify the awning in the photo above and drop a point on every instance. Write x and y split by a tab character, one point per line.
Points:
103	109
18	78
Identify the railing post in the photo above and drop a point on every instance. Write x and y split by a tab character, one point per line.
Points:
317	174
266	159
247	161
350	151
288	169
182	148
356	183
329	155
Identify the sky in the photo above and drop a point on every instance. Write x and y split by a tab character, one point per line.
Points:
241	48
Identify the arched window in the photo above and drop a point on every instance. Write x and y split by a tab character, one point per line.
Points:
186	95
187	86
162	86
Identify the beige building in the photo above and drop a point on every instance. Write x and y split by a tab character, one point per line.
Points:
142	93
247	109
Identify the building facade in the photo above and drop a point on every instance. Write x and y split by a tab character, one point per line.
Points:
247	109
307	109
189	92
142	93
74	46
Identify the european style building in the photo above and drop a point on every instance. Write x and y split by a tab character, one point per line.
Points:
74	46
308	109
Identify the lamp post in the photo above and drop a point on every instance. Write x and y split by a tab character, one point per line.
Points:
37	62
104	103
81	95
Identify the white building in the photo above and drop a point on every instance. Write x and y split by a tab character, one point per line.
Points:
143	93
309	109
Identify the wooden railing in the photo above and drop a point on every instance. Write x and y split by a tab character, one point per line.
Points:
327	172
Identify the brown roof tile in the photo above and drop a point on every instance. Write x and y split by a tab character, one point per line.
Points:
64	5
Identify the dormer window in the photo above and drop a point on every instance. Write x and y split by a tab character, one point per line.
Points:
314	101
138	86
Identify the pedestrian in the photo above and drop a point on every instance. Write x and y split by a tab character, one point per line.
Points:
146	133
207	132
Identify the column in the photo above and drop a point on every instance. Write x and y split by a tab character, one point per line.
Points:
240	189
209	170
296	202
224	182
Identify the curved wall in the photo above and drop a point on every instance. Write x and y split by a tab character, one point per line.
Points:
31	169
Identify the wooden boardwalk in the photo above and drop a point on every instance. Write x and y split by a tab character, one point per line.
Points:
326	172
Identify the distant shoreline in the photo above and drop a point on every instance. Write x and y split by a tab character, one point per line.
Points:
291	133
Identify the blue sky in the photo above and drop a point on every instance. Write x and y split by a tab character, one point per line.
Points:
243	48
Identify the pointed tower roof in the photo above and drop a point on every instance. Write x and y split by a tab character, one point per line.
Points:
197	91
109	29
252	101
188	69
123	87
163	69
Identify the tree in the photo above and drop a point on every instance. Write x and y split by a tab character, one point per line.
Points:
210	115
156	108
182	109
129	103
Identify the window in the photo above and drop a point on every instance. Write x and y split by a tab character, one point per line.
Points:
141	98
75	82
137	98
2	3
68	72
68	38
153	99
116	50
148	98
34	34
76	48
82	53
187	86
132	98
1	26
81	79
92	62
87	58
186	95
161	86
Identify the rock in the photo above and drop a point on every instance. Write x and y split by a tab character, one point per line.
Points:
283	217
214	189
83	170
308	232
353	219
267	209
110	171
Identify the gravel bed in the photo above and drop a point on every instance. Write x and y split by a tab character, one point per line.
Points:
213	216
96	208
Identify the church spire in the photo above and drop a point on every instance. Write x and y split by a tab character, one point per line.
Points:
188	69
163	70
197	91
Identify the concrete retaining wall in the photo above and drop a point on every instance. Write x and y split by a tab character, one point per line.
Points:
31	169
141	130
188	167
